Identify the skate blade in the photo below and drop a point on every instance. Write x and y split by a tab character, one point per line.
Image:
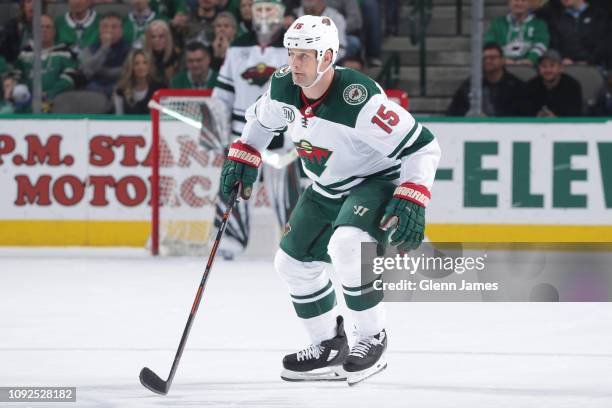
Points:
357	377
322	374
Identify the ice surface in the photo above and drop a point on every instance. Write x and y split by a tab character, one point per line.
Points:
93	318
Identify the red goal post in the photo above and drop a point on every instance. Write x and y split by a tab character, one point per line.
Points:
186	102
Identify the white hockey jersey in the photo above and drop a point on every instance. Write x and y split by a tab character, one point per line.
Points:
352	133
245	74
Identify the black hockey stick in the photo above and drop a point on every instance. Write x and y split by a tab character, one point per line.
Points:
147	377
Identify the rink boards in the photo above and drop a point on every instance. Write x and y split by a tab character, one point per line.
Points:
72	180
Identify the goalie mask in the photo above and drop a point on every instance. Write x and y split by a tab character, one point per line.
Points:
317	33
268	18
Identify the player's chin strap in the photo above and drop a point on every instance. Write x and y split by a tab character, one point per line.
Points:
319	74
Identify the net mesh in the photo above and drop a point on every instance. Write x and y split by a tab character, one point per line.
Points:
192	132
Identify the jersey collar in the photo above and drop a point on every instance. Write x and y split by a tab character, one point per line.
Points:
86	22
308	109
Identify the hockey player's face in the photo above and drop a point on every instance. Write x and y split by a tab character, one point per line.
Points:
303	65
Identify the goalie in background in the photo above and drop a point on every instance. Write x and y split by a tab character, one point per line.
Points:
250	61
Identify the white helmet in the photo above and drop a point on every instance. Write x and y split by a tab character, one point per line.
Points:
317	33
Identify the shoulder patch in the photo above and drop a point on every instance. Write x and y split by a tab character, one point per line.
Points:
355	94
282	71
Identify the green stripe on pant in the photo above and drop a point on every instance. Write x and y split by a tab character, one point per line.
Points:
362	297
315	304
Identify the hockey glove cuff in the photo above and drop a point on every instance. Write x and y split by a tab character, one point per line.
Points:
405	216
240	167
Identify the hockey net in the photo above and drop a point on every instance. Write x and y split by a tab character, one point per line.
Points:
189	129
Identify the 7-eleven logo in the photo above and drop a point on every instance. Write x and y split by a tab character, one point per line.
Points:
314	158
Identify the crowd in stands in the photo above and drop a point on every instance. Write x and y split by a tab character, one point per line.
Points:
127	52
550	41
131	50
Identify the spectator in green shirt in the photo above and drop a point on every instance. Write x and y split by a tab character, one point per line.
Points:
136	22
176	12
58	64
522	36
198	74
78	28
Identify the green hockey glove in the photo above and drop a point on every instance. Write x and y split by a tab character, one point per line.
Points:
240	167
405	216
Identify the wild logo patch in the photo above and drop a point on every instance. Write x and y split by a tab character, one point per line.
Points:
258	75
354	94
314	158
282	71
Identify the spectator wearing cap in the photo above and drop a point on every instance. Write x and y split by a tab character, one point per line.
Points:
502	93
198	74
320	8
553	93
101	62
603	102
78	28
522	36
579	32
16	34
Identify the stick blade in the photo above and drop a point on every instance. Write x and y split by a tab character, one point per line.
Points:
152	381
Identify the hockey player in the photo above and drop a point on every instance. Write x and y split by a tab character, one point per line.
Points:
243	78
372	166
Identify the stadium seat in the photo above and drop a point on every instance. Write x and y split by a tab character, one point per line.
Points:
522	72
590	79
91	102
57	9
120	8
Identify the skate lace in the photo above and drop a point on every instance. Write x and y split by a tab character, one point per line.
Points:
363	346
312	351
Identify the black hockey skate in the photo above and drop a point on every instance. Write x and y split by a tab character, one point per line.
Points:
319	362
366	358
